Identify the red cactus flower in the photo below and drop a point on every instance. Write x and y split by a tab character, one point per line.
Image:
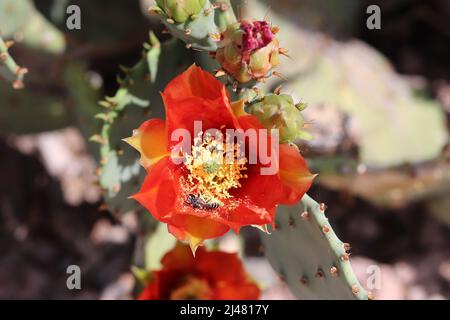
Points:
211	275
202	198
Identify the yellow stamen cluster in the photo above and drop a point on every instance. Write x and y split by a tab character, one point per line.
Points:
214	168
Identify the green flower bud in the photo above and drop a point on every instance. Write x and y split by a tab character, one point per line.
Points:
248	50
280	112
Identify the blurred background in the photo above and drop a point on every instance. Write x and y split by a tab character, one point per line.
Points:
378	106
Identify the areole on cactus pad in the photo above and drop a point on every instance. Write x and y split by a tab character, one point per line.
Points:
203	197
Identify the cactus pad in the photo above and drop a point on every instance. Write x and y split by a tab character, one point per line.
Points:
308	256
198	31
9	68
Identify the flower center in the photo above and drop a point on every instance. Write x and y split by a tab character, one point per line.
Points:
192	289
214	169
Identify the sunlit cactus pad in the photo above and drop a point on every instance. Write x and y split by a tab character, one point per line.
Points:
306	253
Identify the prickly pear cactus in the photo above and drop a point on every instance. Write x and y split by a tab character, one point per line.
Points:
9	68
14	15
308	256
196	22
20	19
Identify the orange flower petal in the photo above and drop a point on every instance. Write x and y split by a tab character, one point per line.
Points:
195	82
294	173
150	139
158	193
179	257
195	229
196	95
222	274
219	266
228	275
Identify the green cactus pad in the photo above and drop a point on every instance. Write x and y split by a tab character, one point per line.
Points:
22	19
14	15
9	68
181	10
198	31
306	253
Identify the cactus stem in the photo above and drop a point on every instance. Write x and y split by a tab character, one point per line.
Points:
334	271
305	215
6	61
334	277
